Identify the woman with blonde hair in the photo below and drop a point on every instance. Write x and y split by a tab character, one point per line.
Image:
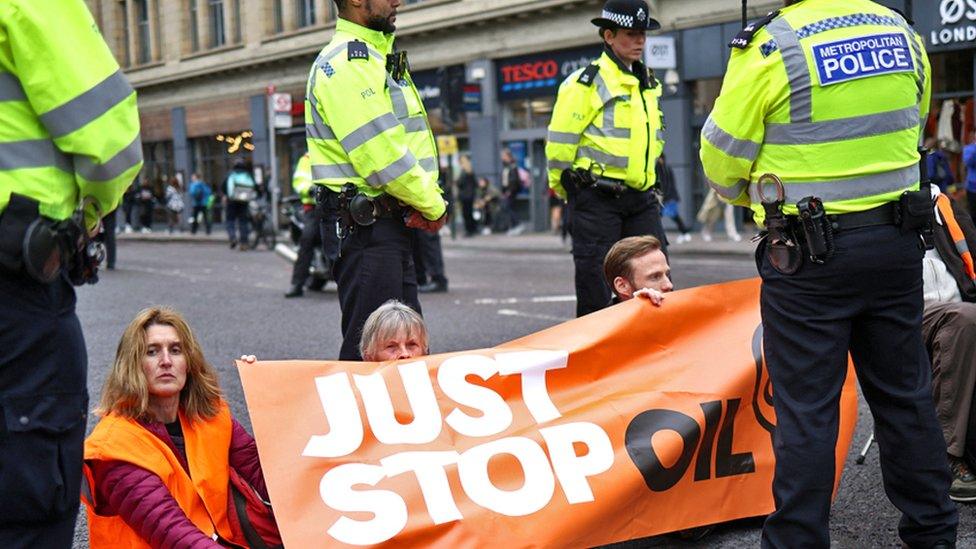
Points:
159	461
393	331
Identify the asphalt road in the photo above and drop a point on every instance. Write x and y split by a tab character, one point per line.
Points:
234	302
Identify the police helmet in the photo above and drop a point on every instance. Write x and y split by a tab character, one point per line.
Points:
626	14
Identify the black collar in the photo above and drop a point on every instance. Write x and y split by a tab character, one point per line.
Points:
638	69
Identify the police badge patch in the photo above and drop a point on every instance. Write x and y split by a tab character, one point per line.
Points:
862	57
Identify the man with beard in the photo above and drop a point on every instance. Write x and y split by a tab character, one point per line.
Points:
374	159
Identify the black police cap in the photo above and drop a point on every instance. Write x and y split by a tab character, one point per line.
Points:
626	14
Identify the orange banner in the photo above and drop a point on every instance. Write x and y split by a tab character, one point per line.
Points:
629	422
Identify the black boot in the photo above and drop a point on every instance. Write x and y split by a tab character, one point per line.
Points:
434	287
296	291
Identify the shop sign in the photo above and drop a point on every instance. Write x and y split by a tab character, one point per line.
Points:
659	52
472	97
447	144
951	26
429	86
540	74
282	109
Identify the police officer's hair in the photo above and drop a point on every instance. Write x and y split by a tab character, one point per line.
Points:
605	29
617	261
340	4
388	321
126	390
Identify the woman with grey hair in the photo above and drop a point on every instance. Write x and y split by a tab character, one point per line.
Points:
393	331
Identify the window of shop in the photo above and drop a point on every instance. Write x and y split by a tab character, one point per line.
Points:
950	118
524	114
142	30
158	164
210	157
217	36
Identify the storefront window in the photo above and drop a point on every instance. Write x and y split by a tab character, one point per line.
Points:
158	165
525	114
705	92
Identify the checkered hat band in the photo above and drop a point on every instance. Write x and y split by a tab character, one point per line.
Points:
618	18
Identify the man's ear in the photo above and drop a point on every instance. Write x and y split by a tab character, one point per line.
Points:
622	287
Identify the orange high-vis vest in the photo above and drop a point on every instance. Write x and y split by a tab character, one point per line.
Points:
955	231
202	494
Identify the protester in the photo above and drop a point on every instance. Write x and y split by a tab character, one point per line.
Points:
240	189
671	198
163	417
393	332
949	331
711	210
200	199
174	205
467	187
637	267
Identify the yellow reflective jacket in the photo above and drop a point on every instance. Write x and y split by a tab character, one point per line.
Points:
831	97
301	181
69	127
366	128
606	118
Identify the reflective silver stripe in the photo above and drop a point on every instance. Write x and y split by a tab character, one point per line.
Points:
125	159
319	129
610	114
333	171
396	96
848	189
729	193
415	124
725	142
601	89
842	129
621	133
603	158
10	88
564	138
429	164
962	246
368	131
390	173
77	113
559	165
801	102
326	57
33	153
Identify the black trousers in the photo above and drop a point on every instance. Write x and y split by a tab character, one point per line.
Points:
376	265
107	236
311	238
467	212
428	258
600	220
43	402
200	211
866	299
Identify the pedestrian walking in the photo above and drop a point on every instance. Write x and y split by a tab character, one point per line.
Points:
240	189
301	183
376	163
671	197
792	133
513	177
713	209
605	135
146	200
200	200
70	120
129	205
467	186
174	205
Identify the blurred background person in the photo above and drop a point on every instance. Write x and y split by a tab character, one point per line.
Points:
174	205
969	159
467	187
129	204
393	332
937	165
711	210
240	189
486	204
146	200
311	238
163	416
200	194
511	186
671	198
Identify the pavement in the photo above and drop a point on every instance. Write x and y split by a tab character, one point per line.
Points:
527	242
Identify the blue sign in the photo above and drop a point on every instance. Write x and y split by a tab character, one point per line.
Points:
863	57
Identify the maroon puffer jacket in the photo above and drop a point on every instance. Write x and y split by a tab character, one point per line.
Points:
142	500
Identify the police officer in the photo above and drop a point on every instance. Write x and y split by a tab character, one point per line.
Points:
605	134
376	159
301	183
830	97
70	136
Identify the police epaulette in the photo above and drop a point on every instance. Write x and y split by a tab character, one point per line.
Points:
588	75
358	50
745	35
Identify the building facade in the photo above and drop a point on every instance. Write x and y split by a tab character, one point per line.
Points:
487	69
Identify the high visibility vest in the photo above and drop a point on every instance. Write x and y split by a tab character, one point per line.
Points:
955	232
70	128
366	128
301	182
202	494
605	118
829	96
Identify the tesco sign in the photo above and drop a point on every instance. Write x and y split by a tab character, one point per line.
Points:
539	74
